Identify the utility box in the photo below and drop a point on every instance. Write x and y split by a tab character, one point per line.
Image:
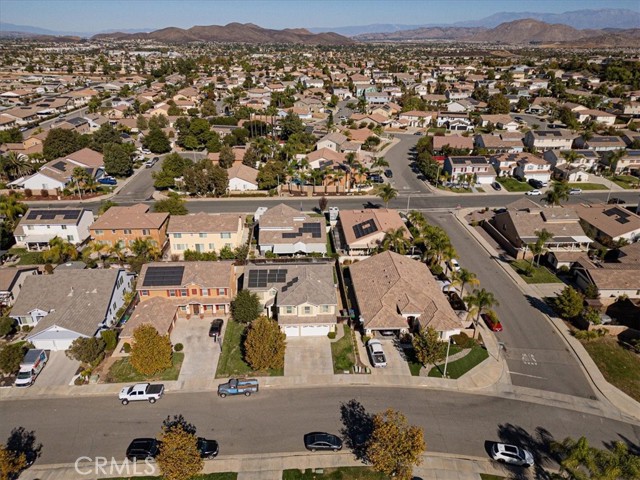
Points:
333	214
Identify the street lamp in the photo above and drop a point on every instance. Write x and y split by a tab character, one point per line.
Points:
446	361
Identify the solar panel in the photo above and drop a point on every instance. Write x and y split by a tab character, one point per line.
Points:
33	215
622	220
365	228
59	166
262	277
163	276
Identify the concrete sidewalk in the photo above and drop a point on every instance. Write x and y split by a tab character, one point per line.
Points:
270	467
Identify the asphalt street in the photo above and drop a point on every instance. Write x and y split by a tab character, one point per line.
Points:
536	354
275	420
399	156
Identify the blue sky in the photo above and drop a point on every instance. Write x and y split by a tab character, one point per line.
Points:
97	15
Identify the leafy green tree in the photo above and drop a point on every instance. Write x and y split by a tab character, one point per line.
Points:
60	142
105	135
110	338
265	344
106	205
173	205
395	446
179	456
157	141
246	307
568	304
227	157
250	158
290	125
204	178
173	166
7	326
208	108
13	135
116	160
498	103
269	175
11	463
428	346
141	123
86	349
150	351
386	193
158	121
11	354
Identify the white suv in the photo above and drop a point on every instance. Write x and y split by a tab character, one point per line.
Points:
511	454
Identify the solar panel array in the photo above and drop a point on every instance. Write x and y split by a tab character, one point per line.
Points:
315	229
290	283
163	276
51	214
59	166
261	278
365	228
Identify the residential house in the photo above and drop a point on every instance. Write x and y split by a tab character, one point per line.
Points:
416	118
159	312
286	231
194	288
363	231
454	121
333	140
600	143
70	304
501	122
39	226
455	142
11	281
397	293
242	178
529	167
123	225
325	158
503	142
609	223
628	163
204	232
469	169
549	139
598	116
302	297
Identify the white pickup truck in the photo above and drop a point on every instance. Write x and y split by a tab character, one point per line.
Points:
141	391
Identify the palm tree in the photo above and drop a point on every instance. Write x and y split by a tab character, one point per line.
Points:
386	193
543	237
571	156
466	277
379	163
558	193
351	162
337	176
59	251
436	243
90	184
613	158
12	209
145	247
118	251
396	240
481	300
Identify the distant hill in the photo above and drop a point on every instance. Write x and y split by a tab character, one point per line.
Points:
430	33
529	30
233	33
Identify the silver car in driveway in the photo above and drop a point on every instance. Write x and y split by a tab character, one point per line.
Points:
376	353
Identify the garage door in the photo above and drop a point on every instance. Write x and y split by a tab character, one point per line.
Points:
314	330
292	331
54	345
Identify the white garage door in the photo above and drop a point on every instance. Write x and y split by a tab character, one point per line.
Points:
54	345
292	331
314	330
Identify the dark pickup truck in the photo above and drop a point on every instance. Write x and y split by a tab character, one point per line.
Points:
237	386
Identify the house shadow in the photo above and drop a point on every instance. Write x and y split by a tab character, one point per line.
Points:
357	427
23	441
537	443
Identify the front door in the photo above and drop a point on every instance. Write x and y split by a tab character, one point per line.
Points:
196	309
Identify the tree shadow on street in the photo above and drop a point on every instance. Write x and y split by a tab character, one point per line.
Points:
538	444
22	440
634	448
540	305
357	427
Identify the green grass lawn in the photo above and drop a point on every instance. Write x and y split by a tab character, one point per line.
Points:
26	257
231	363
538	275
204	476
625	181
479	189
513	185
339	473
342	352
455	189
619	366
122	371
415	366
461	366
588	186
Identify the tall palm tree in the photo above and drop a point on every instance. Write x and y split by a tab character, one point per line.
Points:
337	176
12	209
466	277
480	301
558	193
117	250
145	247
60	251
386	193
543	237
379	163
351	162
571	156
396	240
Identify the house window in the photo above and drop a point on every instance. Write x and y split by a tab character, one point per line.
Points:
184	292
222	291
145	231
205	292
183	308
202	235
225	235
307	310
172	293
212	246
127	231
113	231
288	309
177	235
69	238
99	232
29	227
324	308
63	227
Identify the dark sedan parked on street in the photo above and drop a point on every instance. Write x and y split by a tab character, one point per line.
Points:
207	448
142	448
322	441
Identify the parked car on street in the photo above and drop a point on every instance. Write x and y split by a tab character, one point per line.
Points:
388	173
143	448
237	386
151	162
216	327
141	391
492	322
376	353
575	191
207	448
454	265
322	441
533	192
511	454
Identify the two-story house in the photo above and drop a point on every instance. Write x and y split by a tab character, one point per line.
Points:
302	297
40	225
469	169
123	225
529	167
204	232
287	231
193	288
70	304
549	139
363	231
11	281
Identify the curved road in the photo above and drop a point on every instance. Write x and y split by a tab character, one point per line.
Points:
275	420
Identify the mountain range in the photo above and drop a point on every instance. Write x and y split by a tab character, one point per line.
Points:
581	19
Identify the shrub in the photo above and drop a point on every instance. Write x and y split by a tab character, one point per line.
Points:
126	347
178	347
564	270
110	338
365	339
28	193
463	340
436	270
331	335
44	193
27	328
7	326
80	380
589	334
86	350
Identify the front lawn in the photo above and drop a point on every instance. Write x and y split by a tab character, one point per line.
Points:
588	186
342	352
459	367
26	257
339	473
122	371
513	185
538	274
231	363
626	181
621	367
203	476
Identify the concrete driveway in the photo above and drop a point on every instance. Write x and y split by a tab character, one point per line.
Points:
306	356
58	371
396	363
201	352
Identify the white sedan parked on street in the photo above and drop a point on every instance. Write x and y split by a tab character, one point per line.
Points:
533	192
